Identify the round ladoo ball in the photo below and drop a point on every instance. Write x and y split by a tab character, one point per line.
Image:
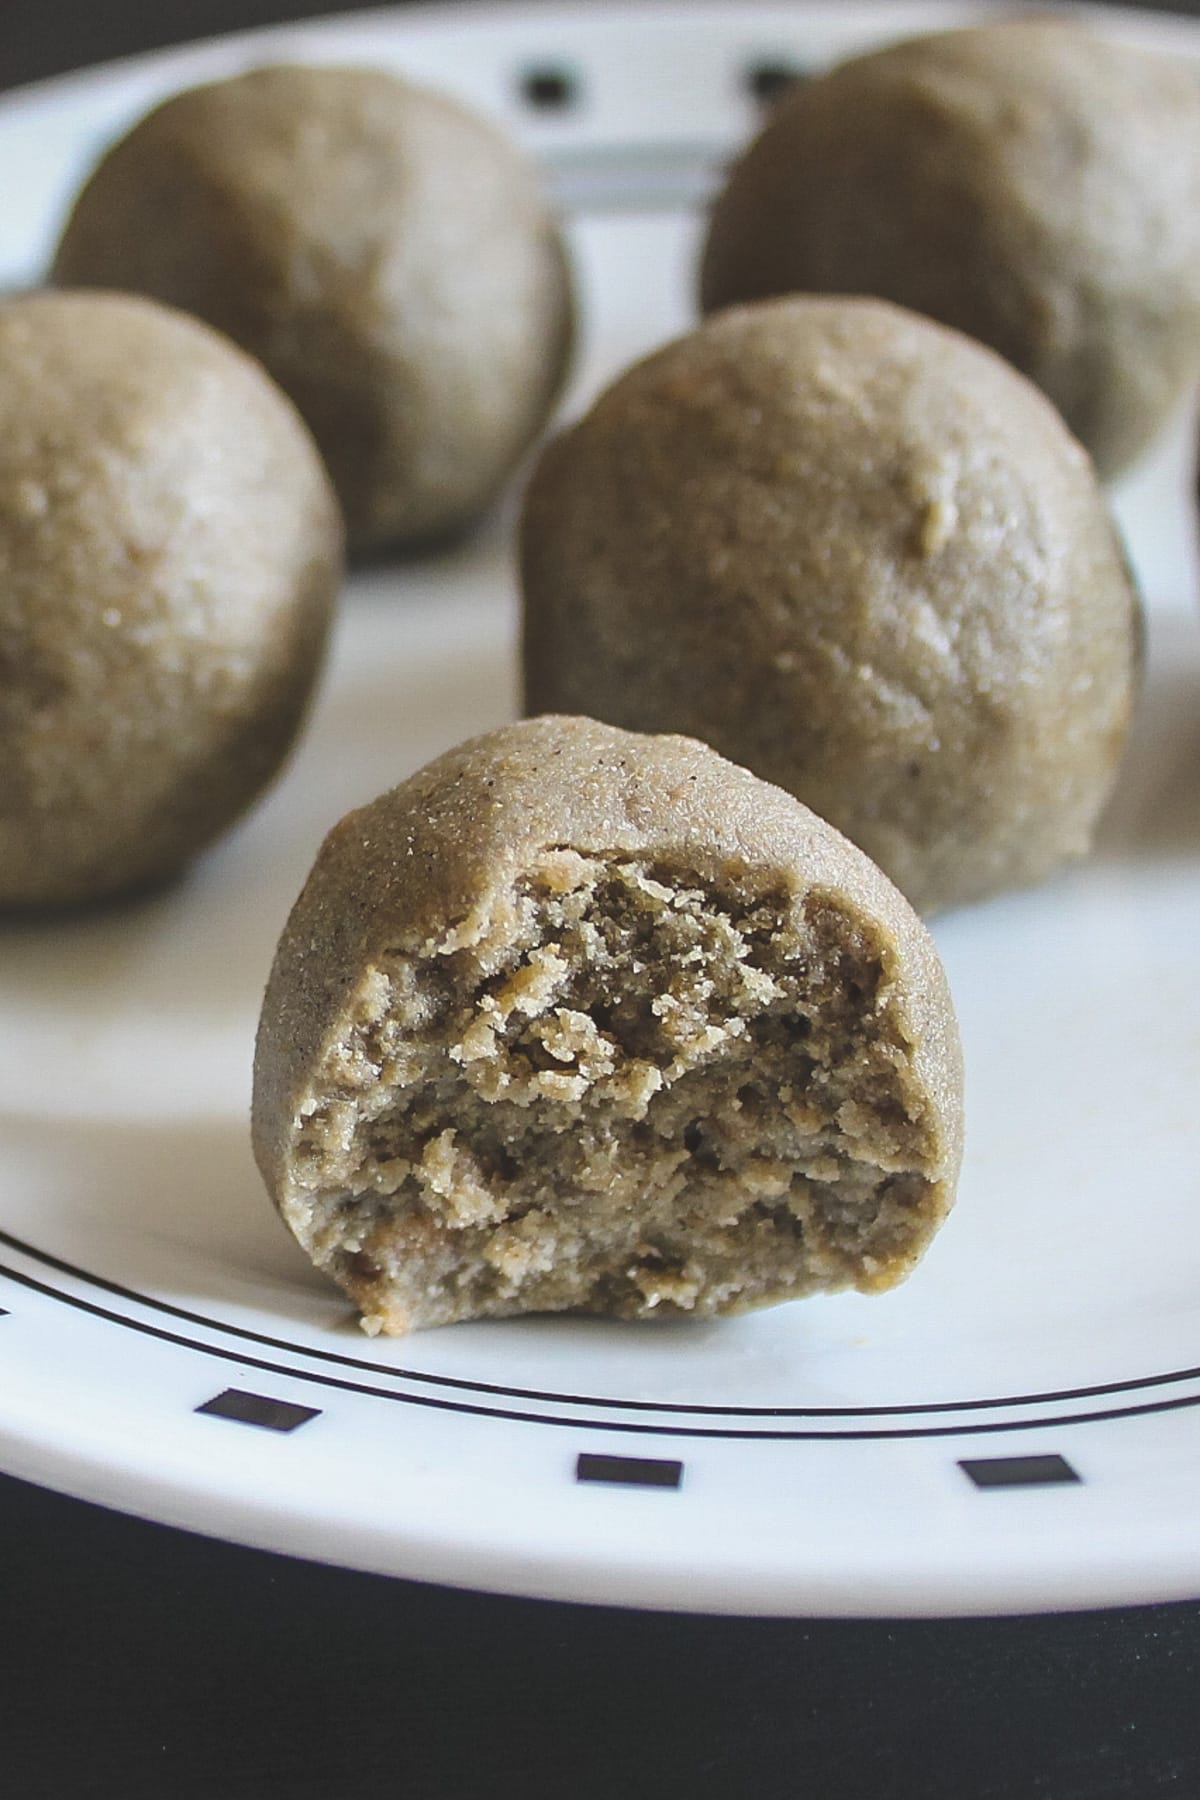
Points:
860	554
1024	181
577	1020
387	255
170	550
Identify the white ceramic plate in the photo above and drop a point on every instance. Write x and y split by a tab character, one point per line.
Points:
807	1460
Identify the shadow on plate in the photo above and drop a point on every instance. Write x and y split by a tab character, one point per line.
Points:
172	1207
1155	810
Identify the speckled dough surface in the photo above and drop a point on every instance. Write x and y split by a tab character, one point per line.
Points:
860	554
1025	181
170	550
388	255
578	1019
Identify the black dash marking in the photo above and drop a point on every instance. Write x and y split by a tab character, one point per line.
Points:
630	1471
257	1409
4	1312
1018	1471
550	89
768	81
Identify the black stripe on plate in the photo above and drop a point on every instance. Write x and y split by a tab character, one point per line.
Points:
629	1471
1018	1471
335	1358
857	1433
259	1409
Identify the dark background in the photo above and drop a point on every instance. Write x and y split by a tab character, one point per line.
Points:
138	1661
46	37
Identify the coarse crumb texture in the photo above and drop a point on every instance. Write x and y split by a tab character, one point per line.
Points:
645	1066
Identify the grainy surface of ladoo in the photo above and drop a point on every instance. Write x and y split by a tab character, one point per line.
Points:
170	553
1025	180
860	554
387	254
580	1020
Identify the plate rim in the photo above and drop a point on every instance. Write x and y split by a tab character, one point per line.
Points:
257	1521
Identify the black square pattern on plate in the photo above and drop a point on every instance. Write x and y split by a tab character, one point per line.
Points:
1018	1471
769	80
629	1471
259	1409
550	88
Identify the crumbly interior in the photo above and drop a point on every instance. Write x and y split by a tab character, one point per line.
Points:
620	1091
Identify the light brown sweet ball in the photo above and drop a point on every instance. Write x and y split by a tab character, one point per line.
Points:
170	551
388	255
1025	181
578	1020
860	554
